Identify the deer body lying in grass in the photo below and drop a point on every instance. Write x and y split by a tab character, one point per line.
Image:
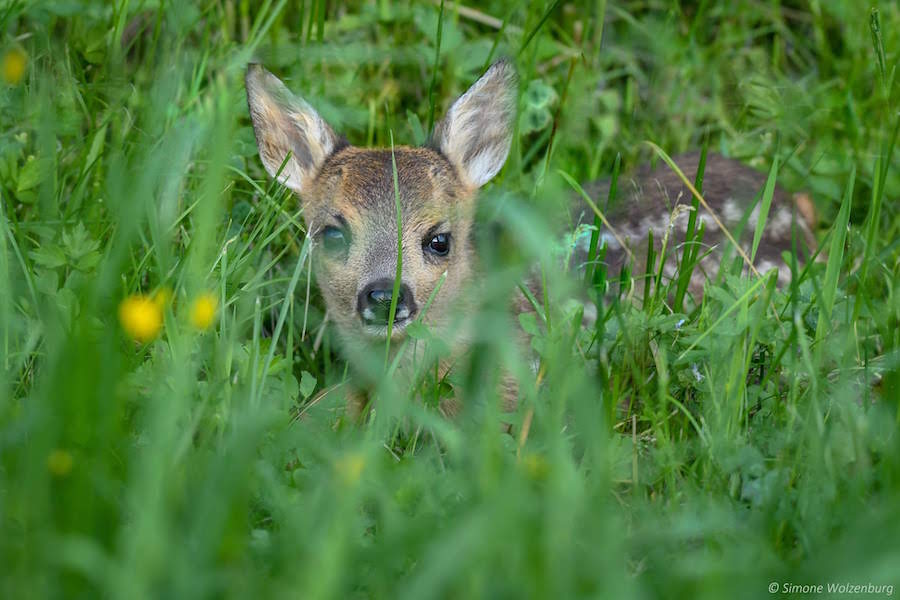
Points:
657	201
357	202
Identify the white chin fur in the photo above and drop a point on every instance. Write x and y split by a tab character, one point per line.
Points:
381	331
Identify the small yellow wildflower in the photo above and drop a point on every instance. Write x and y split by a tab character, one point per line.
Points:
203	311
13	66
141	317
349	468
535	466
60	463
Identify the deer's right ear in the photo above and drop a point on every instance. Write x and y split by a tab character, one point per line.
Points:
477	131
285	123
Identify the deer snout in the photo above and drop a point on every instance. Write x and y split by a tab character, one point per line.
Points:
374	303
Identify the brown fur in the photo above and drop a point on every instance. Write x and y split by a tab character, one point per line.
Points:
648	198
357	184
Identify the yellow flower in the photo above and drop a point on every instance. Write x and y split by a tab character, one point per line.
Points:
535	466
60	463
203	311
13	66
141	317
349	468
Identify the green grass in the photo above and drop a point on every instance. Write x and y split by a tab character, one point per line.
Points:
707	453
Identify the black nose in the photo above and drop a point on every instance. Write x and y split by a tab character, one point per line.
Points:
374	303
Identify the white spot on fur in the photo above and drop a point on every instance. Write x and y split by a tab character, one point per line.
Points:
610	240
681	219
779	224
754	216
784	272
732	211
708	222
655	223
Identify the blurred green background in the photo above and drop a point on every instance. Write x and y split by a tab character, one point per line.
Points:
170	396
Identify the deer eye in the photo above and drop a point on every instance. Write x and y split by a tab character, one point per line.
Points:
333	239
439	244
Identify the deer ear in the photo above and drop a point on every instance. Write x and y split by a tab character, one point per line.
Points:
285	123
477	131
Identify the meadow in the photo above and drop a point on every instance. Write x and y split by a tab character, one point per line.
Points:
171	417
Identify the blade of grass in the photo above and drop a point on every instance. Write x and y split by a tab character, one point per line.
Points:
559	108
835	260
648	268
595	234
285	305
873	219
737	303
577	187
399	271
763	214
260	27
496	42
437	288
878	45
659	290
532	301
668	160
537	27
692	237
434	70
320	23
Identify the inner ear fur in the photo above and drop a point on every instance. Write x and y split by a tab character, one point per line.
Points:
476	133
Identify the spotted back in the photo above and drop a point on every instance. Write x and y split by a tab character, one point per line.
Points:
654	199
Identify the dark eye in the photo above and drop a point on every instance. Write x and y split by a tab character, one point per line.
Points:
333	239
439	244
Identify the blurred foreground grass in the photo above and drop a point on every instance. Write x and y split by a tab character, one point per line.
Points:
707	454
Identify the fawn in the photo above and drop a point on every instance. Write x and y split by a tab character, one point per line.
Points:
348	199
349	205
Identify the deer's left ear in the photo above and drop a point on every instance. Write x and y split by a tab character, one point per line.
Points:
286	125
477	131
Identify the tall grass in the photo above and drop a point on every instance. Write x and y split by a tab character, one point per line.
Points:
659	451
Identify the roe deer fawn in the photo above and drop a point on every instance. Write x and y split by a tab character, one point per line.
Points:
350	209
